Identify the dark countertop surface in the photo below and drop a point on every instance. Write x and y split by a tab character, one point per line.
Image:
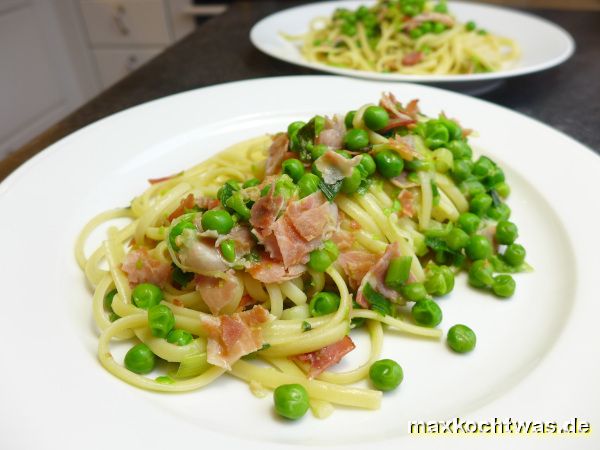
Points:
566	97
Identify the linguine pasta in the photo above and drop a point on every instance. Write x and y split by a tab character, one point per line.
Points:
278	247
405	37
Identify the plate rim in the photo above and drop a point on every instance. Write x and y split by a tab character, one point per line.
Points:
50	151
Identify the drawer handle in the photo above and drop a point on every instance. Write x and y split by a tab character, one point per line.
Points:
119	20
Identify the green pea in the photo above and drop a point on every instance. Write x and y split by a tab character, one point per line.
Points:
164	380
436	134
478	248
291	401
483	167
503	189
251	183
324	303
177	229
481	274
389	164
439	281
108	299
499	212
439	27
161	320
332	249
454	129
441	7
351	183
348	29
308	184
218	220
294	168
376	118
461	338
414	292
506	232
468	222
514	255
386	374
504	286
460	149
416	33
427	313
495	177
417	164
443	160
356	139
319	260
457	239
146	295
113	316
472	188
228	250
140	359
317	151
294	127
349	119
367	165
427	27
480	204
179	337
470	25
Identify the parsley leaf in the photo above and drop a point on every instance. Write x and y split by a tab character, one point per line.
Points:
378	302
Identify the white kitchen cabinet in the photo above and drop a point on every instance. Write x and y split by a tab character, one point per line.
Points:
115	63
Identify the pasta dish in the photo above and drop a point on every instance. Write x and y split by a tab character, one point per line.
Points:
405	37
264	260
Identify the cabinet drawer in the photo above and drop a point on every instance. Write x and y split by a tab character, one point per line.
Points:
141	22
114	64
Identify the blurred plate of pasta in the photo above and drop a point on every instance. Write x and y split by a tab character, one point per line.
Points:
413	40
525	345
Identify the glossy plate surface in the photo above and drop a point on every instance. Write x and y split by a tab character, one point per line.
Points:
536	356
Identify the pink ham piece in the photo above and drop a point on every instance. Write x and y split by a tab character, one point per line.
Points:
406	198
141	267
430	16
312	216
343	239
356	264
264	213
335	167
397	117
412	109
231	337
320	360
304	226
270	271
376	276
292	247
277	152
333	134
405	146
412	58
220	294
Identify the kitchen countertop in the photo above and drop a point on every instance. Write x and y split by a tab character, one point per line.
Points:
566	97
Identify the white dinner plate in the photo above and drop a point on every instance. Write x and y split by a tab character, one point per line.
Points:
536	356
543	44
